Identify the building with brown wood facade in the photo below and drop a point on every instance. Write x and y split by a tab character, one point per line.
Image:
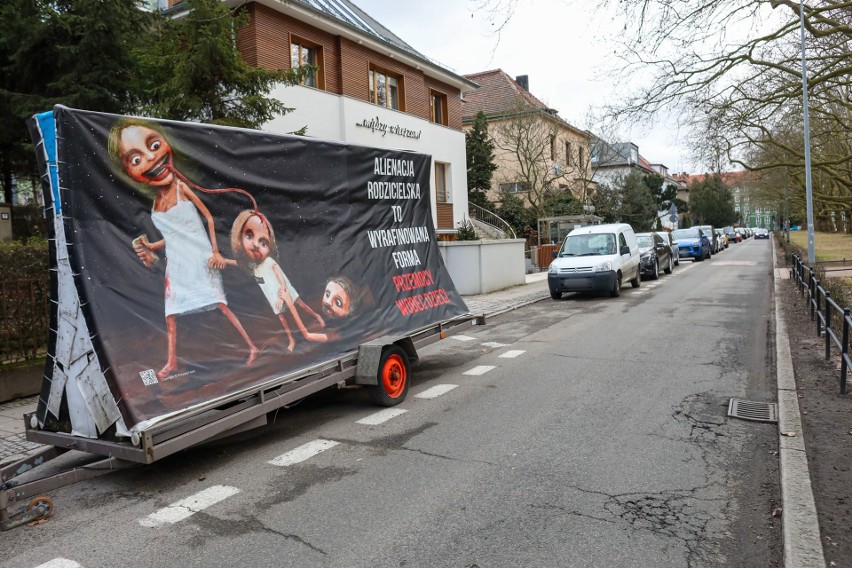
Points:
370	88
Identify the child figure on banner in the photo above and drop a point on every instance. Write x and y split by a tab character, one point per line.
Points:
254	248
193	282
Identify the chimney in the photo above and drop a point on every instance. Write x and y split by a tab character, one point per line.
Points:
523	81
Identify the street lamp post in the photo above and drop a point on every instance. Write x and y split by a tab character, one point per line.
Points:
808	185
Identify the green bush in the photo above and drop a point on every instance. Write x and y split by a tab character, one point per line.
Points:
27	260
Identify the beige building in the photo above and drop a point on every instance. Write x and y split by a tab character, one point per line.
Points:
538	154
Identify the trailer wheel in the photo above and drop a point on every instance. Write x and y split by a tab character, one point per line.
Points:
43	505
394	373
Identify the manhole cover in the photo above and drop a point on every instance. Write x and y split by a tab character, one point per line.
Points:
751	410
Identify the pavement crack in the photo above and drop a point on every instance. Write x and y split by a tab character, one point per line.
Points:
430	454
295	538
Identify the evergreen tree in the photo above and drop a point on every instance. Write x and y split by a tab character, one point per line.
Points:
480	161
512	211
711	202
637	203
73	52
191	70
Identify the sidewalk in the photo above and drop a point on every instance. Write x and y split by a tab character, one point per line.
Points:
13	443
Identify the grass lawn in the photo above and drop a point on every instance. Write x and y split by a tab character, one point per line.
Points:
827	246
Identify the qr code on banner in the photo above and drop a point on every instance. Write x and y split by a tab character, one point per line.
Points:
149	377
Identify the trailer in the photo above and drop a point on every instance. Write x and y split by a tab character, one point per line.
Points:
380	285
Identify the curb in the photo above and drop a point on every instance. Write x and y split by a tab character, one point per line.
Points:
802	543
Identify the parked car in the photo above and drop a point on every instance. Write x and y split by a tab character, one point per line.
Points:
692	243
667	238
732	235
761	233
723	239
654	253
595	258
741	232
710	231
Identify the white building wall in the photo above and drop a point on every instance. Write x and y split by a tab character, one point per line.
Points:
334	117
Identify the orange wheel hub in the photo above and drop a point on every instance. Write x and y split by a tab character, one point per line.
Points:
394	376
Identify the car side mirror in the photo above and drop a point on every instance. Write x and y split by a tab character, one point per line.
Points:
625	250
555	253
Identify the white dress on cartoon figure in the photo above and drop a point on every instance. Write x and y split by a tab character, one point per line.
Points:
191	286
264	274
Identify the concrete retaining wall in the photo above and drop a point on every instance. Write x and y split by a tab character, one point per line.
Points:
479	267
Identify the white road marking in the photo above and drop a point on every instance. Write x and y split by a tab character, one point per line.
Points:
59	563
435	391
480	370
511	354
735	263
303	452
463	338
494	344
381	416
187	507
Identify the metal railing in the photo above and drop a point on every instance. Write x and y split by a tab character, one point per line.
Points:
24	319
490	218
825	312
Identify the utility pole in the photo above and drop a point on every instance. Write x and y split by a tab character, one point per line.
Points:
808	185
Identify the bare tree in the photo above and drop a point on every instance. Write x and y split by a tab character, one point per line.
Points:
539	154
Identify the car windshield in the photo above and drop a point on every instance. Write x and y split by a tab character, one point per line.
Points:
589	245
685	234
645	241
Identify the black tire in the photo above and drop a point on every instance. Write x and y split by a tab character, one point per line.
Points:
394	377
656	274
636	282
677	260
556	295
616	286
668	269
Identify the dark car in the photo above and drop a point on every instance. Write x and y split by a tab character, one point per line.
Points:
761	234
692	243
710	231
654	253
733	236
667	238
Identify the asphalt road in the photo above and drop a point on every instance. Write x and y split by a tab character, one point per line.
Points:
581	432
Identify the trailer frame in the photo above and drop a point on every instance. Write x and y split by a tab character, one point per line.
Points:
230	415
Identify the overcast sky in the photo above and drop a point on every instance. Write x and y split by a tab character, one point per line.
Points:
562	45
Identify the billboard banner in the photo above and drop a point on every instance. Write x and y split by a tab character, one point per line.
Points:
202	261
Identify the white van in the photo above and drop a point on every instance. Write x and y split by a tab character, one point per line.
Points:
597	258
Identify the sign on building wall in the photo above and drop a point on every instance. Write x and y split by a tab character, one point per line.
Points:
202	261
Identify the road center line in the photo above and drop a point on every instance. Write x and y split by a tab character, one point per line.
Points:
303	452
381	416
187	507
512	353
59	563
479	370
435	391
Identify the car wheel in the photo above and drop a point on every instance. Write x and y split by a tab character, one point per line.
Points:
556	295
656	273
616	286
677	260
636	282
670	266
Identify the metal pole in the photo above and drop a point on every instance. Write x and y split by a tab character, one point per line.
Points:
808	185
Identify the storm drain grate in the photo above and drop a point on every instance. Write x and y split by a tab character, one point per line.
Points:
751	410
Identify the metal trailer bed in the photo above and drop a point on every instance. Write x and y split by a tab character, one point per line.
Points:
237	413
